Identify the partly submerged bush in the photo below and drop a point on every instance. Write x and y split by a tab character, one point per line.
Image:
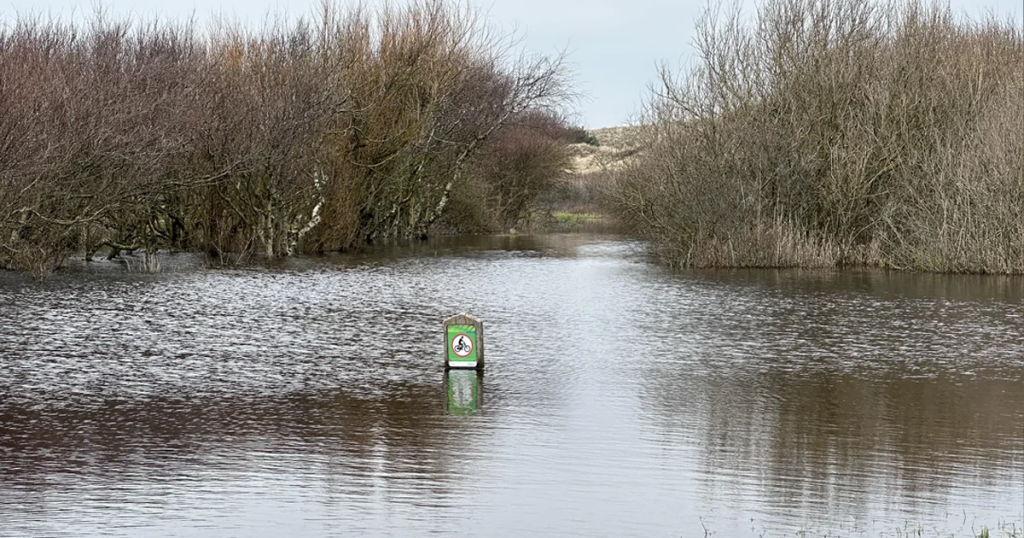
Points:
306	137
829	132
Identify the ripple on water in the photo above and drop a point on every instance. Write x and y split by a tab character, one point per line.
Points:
306	397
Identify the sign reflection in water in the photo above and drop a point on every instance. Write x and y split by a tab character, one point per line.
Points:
464	390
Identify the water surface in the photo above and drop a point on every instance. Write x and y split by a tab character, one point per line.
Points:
306	398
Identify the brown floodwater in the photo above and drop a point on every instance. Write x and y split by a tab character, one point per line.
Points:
306	397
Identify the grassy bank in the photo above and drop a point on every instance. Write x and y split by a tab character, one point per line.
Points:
578	200
354	126
565	222
836	132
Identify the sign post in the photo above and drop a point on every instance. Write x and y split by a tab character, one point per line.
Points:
464	342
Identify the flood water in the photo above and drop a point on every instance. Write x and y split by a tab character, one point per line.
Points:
307	398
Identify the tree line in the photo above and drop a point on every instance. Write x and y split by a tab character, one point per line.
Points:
836	132
322	134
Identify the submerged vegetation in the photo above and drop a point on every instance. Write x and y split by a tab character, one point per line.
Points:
305	137
836	132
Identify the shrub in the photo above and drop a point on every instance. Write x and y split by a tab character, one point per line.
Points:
306	137
837	132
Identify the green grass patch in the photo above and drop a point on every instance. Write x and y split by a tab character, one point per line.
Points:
573	218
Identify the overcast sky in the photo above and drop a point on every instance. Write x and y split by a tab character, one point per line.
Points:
614	46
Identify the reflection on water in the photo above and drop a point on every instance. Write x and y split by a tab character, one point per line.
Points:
465	391
305	398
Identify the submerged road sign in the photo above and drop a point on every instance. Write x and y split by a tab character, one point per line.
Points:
464	342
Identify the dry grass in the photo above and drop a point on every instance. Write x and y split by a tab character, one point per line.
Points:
582	189
623	137
615	146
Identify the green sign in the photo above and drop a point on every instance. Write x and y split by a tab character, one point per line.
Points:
462	343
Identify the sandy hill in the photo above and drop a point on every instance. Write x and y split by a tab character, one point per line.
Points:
615	144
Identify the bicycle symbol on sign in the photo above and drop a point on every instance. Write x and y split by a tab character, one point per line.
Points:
462	345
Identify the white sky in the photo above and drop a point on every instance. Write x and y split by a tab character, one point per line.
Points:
614	46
